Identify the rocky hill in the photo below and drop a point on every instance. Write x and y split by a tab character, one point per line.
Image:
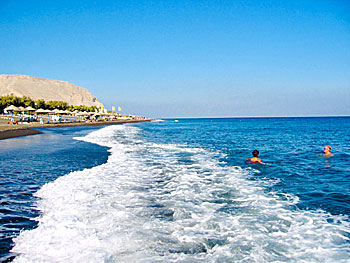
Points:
47	89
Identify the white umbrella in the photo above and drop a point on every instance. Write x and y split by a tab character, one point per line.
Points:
29	109
40	111
11	108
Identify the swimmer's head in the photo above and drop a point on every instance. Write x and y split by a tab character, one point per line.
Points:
255	153
327	148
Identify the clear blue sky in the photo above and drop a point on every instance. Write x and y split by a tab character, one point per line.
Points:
188	58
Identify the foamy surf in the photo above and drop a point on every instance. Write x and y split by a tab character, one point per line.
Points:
172	203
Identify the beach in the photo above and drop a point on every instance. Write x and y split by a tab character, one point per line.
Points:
17	130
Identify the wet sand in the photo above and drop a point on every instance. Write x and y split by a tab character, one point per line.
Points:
6	134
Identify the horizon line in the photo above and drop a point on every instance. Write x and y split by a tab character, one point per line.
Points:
241	117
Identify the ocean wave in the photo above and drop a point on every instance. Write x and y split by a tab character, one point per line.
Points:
156	202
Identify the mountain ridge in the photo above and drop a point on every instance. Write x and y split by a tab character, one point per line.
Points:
46	89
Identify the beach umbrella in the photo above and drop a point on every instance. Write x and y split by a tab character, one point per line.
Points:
79	114
70	114
63	113
11	108
48	112
56	111
40	111
21	109
29	109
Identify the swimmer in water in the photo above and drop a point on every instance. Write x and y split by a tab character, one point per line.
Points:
327	151
255	158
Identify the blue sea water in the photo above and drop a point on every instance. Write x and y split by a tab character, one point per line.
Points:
178	192
26	164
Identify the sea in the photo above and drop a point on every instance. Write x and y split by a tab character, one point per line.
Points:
178	191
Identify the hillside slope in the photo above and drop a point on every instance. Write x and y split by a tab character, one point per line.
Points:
47	89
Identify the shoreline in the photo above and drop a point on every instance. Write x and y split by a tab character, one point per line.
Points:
30	129
13	133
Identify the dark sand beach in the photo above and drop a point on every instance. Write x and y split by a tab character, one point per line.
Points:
12	133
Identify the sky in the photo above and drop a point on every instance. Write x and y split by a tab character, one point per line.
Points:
237	58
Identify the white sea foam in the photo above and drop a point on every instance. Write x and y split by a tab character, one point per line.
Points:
171	203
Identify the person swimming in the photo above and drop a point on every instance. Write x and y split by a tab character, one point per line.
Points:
255	158
327	151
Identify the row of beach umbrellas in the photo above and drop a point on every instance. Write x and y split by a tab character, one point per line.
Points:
55	111
14	108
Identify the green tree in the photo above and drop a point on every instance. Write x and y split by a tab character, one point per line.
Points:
40	104
25	101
